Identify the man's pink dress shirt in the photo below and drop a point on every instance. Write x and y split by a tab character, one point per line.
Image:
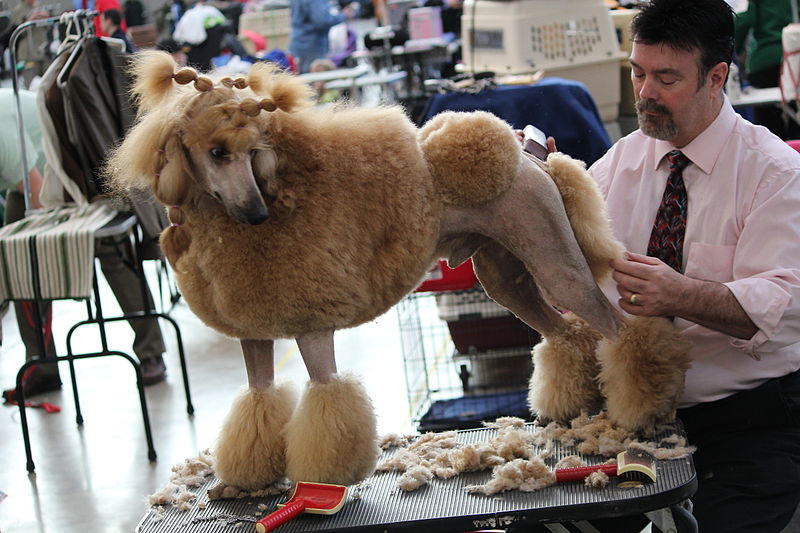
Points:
742	230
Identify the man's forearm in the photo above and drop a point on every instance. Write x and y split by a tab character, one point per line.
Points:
714	306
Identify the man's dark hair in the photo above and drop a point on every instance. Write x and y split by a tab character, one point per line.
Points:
114	15
705	25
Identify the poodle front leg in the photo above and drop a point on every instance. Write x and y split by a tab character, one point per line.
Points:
250	451
565	367
332	437
318	355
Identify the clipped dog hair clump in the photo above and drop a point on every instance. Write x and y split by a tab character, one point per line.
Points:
470	169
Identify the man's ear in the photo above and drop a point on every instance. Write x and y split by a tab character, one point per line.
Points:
717	76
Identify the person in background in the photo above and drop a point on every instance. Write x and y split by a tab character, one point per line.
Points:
731	278
148	342
23	11
30	44
101	6
310	22
38	378
111	22
759	35
133	13
324	96
201	30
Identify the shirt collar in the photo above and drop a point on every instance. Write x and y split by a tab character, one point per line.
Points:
704	149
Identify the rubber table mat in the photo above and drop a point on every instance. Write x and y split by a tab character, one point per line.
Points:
378	505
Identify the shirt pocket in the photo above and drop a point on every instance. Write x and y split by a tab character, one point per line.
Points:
711	262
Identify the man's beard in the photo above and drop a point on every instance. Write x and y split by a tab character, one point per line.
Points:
659	126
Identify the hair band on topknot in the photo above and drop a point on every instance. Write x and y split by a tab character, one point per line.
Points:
203	84
267	105
185	75
252	108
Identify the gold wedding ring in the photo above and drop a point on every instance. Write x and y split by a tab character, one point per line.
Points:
633	298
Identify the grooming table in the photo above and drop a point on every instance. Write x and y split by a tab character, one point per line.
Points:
442	506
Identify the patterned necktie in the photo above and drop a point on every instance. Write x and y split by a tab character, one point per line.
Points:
666	239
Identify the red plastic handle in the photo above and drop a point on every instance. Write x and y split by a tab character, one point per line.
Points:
281	516
582	472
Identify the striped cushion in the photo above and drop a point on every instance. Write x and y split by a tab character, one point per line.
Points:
64	241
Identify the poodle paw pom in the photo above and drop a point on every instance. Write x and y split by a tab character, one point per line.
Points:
332	437
250	450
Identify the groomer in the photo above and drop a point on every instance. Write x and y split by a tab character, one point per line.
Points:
708	206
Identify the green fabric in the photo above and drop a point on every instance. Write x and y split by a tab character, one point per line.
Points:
210	22
764	21
10	155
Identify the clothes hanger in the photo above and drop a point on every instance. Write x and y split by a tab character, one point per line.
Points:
113	42
83	21
71	35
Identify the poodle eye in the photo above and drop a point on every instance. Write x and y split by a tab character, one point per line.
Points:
218	153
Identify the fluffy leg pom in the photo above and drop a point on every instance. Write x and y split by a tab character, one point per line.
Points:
642	373
332	437
564	379
250	451
473	157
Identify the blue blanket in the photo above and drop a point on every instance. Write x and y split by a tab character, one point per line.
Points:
563	109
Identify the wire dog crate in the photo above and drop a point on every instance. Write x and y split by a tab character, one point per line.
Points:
466	358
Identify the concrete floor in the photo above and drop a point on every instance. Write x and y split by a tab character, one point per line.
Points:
94	478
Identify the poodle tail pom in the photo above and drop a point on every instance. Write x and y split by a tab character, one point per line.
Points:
153	72
473	156
586	211
289	92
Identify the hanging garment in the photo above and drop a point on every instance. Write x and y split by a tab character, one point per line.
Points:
61	173
98	113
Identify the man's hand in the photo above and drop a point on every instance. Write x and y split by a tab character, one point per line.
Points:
658	288
551	142
649	287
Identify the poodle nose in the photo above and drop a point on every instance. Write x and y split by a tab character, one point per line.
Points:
258	217
252	215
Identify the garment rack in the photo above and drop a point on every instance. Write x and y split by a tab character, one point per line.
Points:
121	225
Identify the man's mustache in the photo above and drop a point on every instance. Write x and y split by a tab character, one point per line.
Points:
643	106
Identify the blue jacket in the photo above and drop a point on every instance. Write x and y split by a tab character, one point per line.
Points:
311	20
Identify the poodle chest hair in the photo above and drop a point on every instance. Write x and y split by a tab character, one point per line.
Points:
352	228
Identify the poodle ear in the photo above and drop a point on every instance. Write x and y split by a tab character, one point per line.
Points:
289	92
172	181
136	162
